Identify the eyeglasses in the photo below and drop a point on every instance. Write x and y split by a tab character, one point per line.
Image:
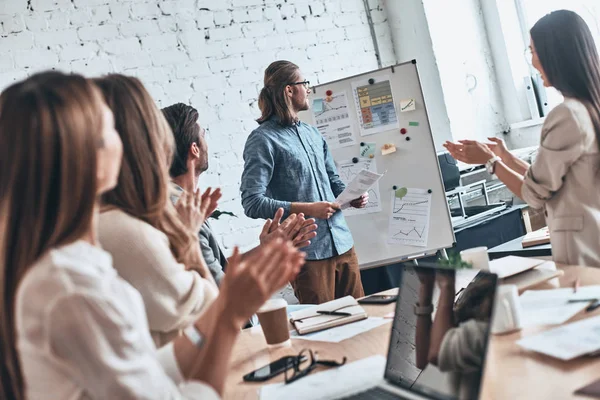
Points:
300	371
305	83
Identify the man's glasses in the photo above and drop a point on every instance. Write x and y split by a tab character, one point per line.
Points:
305	83
299	370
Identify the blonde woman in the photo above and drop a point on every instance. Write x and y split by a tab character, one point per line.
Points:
70	327
154	247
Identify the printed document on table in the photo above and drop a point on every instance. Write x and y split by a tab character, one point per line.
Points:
332	119
568	341
362	182
332	383
552	307
409	217
348	171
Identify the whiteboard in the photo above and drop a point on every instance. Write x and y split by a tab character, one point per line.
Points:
413	165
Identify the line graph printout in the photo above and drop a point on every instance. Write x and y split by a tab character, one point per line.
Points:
409	217
333	120
375	106
348	171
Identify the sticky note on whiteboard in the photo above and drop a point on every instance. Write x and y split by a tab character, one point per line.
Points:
407	105
318	105
368	150
388	148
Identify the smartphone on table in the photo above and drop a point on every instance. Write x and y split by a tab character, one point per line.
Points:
275	368
379	299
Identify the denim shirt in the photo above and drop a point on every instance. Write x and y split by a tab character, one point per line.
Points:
285	164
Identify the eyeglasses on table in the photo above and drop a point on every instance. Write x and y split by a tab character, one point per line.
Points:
299	369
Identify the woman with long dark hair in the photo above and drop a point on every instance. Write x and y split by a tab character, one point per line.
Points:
565	177
70	327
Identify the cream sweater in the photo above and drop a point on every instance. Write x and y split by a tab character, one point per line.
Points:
174	297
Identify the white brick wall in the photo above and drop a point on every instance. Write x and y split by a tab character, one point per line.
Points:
208	53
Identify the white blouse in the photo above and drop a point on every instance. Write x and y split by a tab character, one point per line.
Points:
174	296
82	333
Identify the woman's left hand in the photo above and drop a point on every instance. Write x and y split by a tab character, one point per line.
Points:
469	151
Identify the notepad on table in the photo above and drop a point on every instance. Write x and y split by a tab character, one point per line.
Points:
327	315
513	265
535	238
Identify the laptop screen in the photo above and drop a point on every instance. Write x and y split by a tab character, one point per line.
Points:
440	353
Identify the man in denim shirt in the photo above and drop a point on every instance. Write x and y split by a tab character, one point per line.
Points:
288	165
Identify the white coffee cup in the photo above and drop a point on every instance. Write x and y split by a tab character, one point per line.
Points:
478	257
507	310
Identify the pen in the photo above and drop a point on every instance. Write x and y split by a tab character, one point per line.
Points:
341	313
576	285
581	300
593	306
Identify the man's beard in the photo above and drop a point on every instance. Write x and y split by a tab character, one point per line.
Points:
301	106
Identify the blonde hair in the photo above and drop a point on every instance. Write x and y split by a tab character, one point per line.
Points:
272	100
143	187
50	131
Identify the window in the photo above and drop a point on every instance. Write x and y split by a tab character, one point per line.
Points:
508	22
532	10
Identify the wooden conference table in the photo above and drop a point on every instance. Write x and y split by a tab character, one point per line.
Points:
510	372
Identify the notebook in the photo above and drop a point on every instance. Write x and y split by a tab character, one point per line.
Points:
313	320
535	238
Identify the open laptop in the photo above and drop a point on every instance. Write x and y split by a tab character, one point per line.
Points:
458	331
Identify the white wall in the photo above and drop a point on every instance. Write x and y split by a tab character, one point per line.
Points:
210	54
449	41
411	38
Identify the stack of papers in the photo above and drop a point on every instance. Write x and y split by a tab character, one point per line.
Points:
330	384
551	307
566	342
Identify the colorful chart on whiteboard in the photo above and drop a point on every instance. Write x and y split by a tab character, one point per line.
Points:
375	105
409	217
347	171
333	120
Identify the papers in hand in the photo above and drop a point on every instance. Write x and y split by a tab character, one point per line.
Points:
566	342
311	320
362	182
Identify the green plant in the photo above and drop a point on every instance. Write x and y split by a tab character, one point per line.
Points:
455	261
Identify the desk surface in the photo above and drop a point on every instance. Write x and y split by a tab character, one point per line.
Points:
510	372
515	248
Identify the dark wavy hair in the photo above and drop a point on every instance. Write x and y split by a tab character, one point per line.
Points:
183	121
567	52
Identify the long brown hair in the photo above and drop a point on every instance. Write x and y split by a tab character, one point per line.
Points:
143	187
272	100
569	57
50	131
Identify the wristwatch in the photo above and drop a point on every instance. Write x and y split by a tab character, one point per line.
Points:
490	165
423	310
194	336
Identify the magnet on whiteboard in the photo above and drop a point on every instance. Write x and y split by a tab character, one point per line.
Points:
371	81
403	131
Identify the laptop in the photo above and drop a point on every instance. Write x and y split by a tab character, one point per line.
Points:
448	358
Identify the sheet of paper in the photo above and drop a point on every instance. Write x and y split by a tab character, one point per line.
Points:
332	383
568	341
361	183
409	217
343	332
333	120
551	307
407	105
348	171
367	149
375	105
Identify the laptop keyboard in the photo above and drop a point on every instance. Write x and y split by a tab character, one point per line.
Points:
375	393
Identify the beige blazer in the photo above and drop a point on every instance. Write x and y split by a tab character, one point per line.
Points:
565	180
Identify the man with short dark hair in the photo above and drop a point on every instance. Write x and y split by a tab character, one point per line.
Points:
190	159
287	165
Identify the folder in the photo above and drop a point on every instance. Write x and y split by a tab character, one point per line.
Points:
541	236
316	319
